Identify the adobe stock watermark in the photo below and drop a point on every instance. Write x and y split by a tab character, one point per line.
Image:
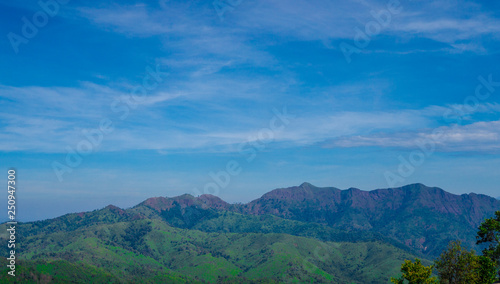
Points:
407	166
223	6
249	150
362	39
94	137
29	29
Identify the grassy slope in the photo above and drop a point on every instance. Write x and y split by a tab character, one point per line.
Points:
59	271
425	219
144	249
209	220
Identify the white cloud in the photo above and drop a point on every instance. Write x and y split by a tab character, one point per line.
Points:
475	137
159	98
201	117
460	25
134	20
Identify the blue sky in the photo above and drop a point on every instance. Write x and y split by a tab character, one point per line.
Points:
115	102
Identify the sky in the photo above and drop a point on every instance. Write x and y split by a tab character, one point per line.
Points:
116	102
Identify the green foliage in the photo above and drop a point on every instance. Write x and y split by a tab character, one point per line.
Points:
415	273
489	233
187	217
487	270
59	271
457	265
134	235
238	223
150	251
415	215
189	243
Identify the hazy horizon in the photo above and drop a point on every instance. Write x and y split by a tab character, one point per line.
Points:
50	214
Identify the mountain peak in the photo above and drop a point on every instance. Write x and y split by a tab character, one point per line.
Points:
115	209
415	186
419	188
184	196
185	200
212	201
353	189
306	185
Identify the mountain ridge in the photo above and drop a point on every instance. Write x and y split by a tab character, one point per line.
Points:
366	234
420	217
211	200
414	214
433	198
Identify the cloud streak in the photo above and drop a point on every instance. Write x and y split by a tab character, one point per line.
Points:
49	119
474	137
185	26
224	82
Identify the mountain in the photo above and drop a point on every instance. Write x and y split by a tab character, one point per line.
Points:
425	218
419	217
290	202
302	234
192	243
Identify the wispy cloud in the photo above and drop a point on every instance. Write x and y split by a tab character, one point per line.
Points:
202	117
191	34
221	81
474	137
224	81
134	20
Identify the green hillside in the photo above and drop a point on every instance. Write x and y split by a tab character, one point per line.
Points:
118	246
301	234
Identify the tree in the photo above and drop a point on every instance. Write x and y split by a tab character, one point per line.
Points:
134	235
415	273
489	233
457	265
487	270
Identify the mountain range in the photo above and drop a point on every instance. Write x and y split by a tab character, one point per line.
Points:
415	215
302	234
